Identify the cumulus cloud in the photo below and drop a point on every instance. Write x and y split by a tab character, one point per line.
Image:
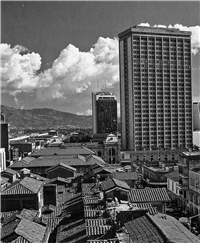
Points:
195	38
73	74
75	71
18	72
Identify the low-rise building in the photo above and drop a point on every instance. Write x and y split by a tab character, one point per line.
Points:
155	176
194	192
2	159
113	188
61	170
172	185
26	193
158	197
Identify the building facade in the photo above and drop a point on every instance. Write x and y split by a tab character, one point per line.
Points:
196	116
155	88
4	138
104	112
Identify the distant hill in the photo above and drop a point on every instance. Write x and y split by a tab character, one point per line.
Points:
44	118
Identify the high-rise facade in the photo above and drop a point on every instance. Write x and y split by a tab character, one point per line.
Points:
155	88
4	134
196	116
104	112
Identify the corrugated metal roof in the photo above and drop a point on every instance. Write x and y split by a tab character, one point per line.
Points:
148	195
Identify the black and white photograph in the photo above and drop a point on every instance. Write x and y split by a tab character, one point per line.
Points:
100	121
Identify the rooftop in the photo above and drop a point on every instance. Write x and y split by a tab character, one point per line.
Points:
151	30
31	231
112	183
174	176
25	186
62	151
125	175
142	230
148	195
173	229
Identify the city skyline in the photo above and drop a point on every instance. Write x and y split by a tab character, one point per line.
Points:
50	59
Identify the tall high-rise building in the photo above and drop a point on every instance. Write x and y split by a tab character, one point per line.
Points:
155	88
196	116
104	112
4	135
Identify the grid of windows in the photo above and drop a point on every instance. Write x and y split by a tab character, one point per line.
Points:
162	103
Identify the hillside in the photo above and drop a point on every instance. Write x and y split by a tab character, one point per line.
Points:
44	118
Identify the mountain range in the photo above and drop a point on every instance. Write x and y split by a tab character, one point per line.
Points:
44	118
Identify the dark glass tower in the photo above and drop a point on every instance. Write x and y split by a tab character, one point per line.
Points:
104	112
4	134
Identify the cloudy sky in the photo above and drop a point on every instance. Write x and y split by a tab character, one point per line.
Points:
54	54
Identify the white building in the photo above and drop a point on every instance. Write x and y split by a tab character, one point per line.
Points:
2	159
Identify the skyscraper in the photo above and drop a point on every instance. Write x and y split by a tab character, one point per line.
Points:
104	112
4	135
155	88
196	116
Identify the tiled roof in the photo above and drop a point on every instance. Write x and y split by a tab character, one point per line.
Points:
91	200
148	206
92	213
51	223
112	183
27	160
62	151
89	188
103	241
4	180
31	231
148	195
9	171
173	229
125	175
94	207
28	214
142	230
60	179
61	165
25	186
174	176
20	239
95	222
71	230
97	230
6	215
9	228
49	161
